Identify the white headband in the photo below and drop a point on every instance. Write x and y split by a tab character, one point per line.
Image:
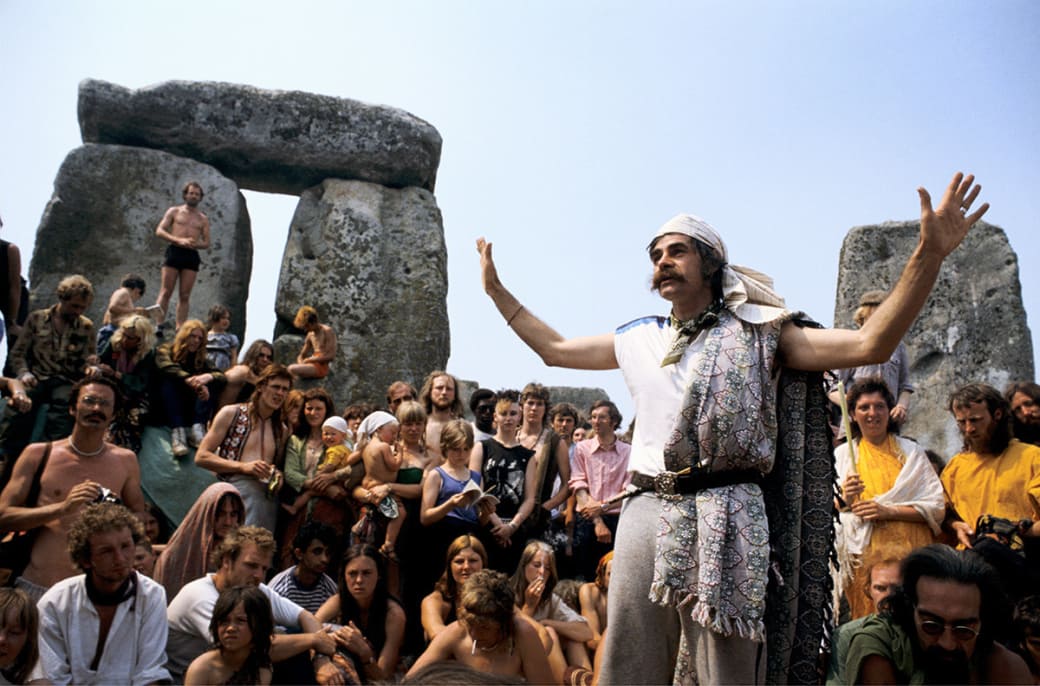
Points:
748	293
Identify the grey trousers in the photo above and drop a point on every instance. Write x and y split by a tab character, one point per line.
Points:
644	640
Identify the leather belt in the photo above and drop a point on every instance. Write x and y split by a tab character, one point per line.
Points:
672	483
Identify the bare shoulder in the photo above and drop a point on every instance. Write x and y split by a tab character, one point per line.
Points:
1006	667
123	455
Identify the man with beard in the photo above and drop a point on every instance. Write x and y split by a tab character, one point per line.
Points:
440	399
186	229
242	378
246	441
1024	399
76	471
939	628
996	474
107	625
50	355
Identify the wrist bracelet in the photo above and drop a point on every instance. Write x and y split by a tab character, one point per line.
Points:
509	322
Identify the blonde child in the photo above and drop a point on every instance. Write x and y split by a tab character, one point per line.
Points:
335	459
378	434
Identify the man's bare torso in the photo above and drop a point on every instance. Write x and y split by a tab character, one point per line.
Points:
187	222
49	562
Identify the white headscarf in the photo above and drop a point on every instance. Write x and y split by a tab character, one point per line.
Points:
374	422
747	293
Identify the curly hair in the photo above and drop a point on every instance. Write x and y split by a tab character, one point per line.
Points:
488	596
100	518
135	325
75	286
180	345
231	547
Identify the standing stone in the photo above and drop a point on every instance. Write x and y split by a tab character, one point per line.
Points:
101	222
272	141
972	328
372	261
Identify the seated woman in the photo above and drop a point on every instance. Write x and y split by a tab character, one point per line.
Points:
241	628
466	556
593	599
371	622
533	585
189	554
128	357
490	635
892	495
19	624
188	386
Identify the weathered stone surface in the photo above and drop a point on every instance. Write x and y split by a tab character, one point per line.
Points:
972	328
274	141
101	222
372	261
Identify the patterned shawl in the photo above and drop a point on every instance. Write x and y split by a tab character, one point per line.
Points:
733	417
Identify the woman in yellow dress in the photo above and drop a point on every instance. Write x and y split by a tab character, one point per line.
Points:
892	495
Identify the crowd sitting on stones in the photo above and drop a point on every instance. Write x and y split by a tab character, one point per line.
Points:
376	543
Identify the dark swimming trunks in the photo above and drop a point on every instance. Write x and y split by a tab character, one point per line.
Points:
182	258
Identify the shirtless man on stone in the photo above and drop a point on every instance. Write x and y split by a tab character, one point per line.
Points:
243	442
490	635
186	229
440	398
78	469
121	305
319	348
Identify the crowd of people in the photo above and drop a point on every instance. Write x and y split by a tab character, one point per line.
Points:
380	541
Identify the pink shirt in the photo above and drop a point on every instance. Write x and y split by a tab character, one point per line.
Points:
603	472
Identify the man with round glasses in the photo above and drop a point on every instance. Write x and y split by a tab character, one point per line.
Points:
939	628
69	475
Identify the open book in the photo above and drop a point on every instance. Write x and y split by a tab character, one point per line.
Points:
154	312
474	495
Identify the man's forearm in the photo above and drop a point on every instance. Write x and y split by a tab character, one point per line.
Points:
25	518
216	464
887	326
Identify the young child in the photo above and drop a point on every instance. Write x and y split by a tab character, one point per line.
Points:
241	627
378	434
221	346
334	460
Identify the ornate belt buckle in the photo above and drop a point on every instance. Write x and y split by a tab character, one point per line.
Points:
664	484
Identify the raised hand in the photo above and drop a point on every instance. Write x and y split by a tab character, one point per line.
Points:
488	272
943	228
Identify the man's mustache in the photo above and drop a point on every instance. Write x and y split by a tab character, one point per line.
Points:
666	273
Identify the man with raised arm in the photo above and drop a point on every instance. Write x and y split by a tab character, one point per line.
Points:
186	229
704	386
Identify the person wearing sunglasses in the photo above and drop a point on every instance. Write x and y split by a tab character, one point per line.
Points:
939	627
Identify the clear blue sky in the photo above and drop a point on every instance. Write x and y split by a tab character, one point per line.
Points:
573	129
